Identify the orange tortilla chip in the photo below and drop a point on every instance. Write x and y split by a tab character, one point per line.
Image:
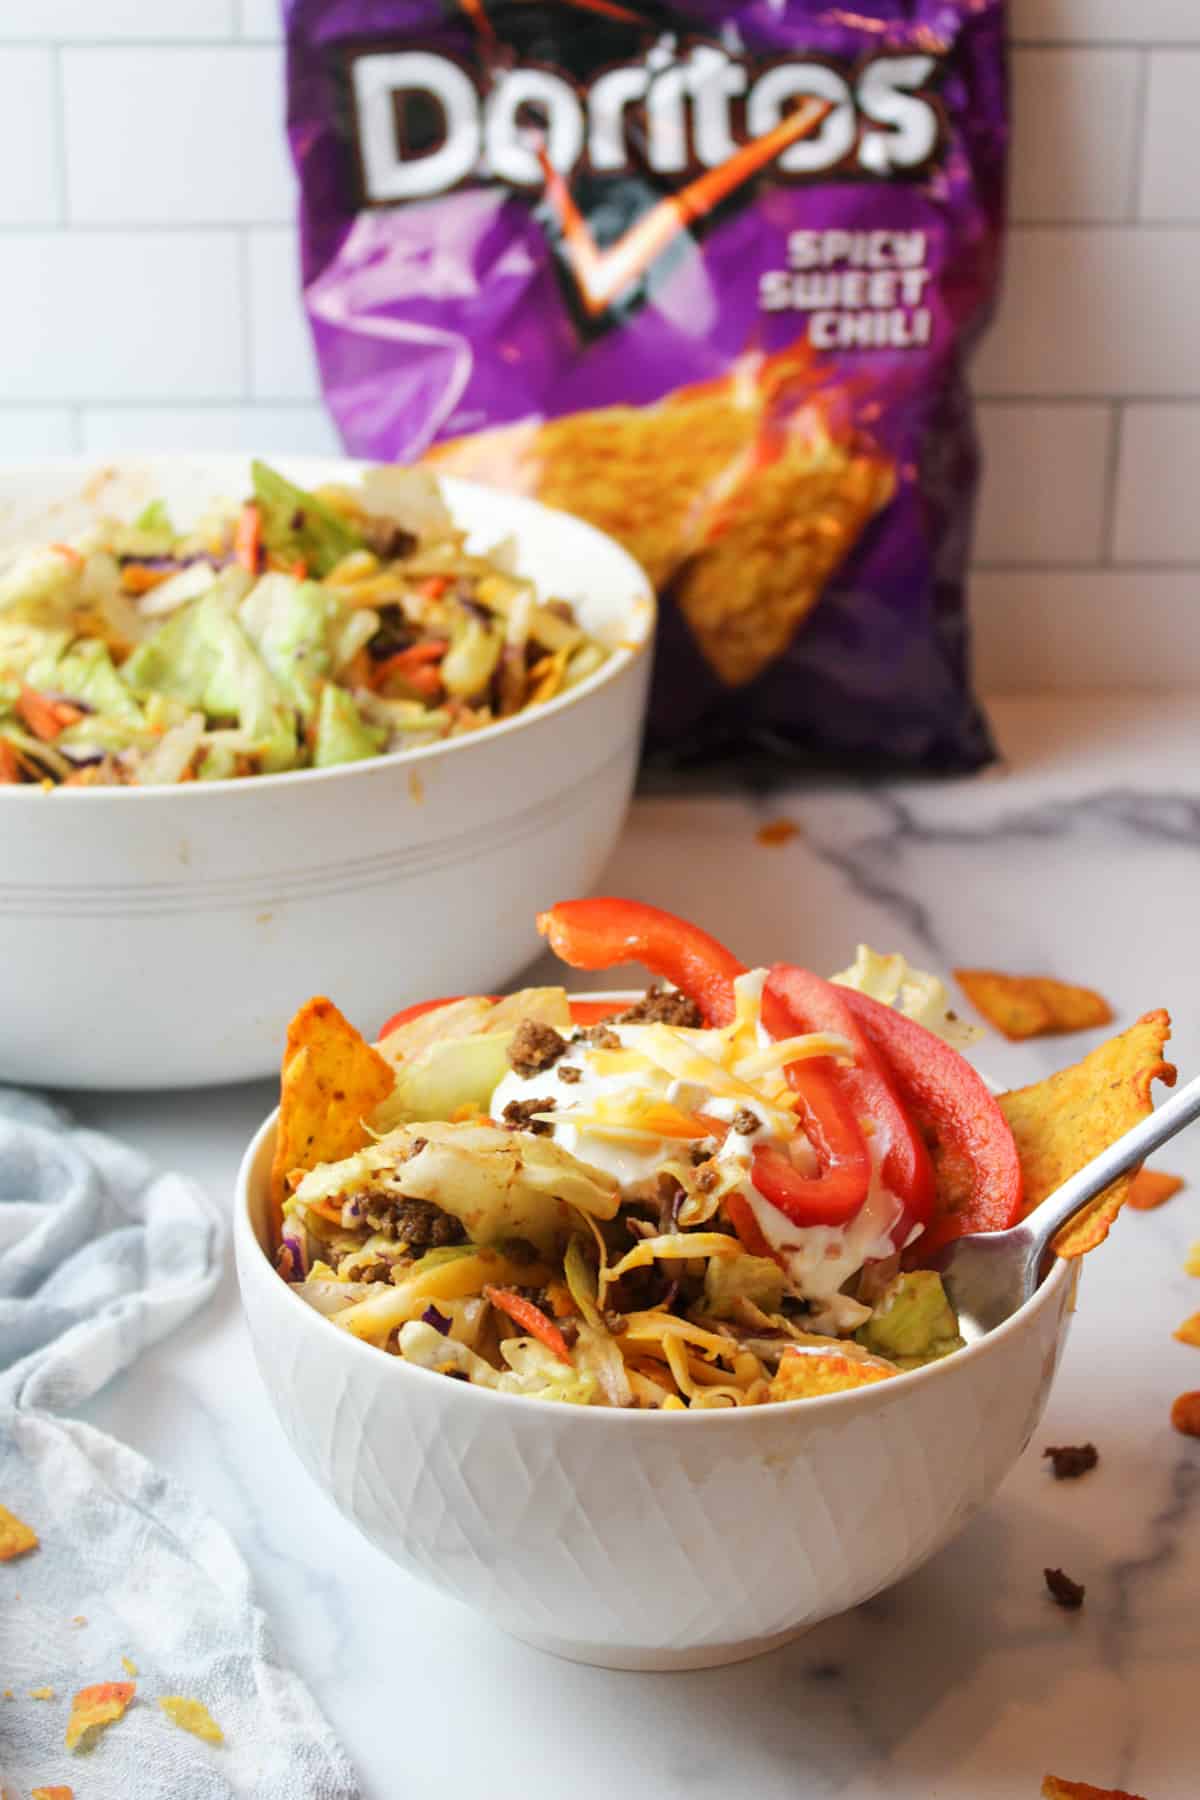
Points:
15	1536
1150	1188
53	1793
331	1080
94	1707
1063	1122
805	1373
1055	1788
193	1716
1025	1006
1189	1331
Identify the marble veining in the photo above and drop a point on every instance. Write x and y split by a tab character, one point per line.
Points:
1081	858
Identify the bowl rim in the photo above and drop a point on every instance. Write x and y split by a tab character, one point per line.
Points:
639	619
1064	1271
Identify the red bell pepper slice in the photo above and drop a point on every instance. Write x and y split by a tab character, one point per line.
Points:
596	934
979	1186
796	1000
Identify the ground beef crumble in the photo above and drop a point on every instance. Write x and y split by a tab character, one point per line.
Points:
1063	1591
663	1006
418	1223
535	1047
746	1122
602	1037
1071	1460
570	1072
519	1115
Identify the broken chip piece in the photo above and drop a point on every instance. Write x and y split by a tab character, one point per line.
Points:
53	1793
331	1080
802	1374
95	1707
1150	1188
1185	1413
1054	1787
193	1716
15	1536
1189	1331
1025	1006
1191	1262
1061	1123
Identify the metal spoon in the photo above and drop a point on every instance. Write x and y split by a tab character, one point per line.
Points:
989	1274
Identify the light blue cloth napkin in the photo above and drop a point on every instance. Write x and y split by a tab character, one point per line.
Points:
100	1257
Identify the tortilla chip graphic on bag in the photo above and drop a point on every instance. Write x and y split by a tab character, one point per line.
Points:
1063	1122
332	1079
15	1536
95	1707
1055	1788
1025	1006
747	517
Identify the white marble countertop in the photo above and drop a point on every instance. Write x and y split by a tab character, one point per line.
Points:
1081	857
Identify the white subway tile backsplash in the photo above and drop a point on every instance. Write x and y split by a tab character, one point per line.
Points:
1158	482
176	136
86	20
1096	310
263	430
1090	628
121	316
1106	21
1075	133
262	18
1169	188
1045	472
29	171
29	431
282	363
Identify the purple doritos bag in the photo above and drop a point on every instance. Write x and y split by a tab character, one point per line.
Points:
706	275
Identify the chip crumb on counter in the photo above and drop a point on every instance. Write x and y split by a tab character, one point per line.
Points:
1192	1260
78	1621
777	831
193	1716
1026	1006
1151	1187
41	1693
53	1793
1063	1591
1189	1331
129	1666
1070	1461
15	1536
1185	1413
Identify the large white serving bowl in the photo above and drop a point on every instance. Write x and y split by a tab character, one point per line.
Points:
162	937
644	1540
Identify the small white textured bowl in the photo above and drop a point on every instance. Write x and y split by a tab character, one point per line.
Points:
644	1540
163	937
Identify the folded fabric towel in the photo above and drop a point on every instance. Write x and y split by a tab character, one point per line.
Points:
100	1257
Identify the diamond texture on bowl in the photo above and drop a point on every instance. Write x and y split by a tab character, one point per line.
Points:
646	1540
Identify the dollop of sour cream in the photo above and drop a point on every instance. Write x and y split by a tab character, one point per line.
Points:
818	1259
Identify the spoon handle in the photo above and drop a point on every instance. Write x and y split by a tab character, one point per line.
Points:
1147	1135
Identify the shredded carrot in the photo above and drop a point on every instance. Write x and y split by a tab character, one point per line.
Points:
45	717
136	578
530	1318
69	551
299	568
414	666
433	587
559	1296
247	538
10	768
